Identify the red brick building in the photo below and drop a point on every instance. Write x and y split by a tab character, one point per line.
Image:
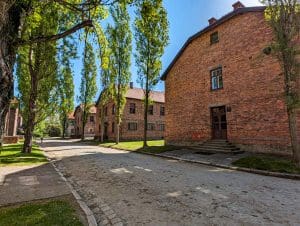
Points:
223	85
70	132
13	122
89	129
132	126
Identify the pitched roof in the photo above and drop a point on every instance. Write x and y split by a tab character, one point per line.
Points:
223	19
138	94
93	109
71	115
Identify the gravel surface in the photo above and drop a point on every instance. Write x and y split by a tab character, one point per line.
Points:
144	190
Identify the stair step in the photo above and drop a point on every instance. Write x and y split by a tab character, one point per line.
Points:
214	148
218	145
214	151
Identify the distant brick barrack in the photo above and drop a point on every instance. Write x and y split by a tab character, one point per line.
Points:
223	84
132	125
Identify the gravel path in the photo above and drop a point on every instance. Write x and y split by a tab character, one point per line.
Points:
139	189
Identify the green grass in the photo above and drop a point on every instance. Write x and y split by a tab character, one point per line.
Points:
154	146
269	163
58	213
12	155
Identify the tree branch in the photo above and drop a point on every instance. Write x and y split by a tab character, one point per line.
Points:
86	23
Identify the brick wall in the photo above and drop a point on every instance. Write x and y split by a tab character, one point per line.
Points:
253	88
89	129
138	118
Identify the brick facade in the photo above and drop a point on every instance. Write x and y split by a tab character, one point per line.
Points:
134	96
253	87
13	119
89	129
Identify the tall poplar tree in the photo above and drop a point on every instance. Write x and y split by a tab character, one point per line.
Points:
14	16
65	84
151	37
37	73
120	38
88	86
284	18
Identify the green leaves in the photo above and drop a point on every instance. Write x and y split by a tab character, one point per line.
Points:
151	35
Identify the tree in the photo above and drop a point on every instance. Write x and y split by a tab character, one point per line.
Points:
65	84
37	74
88	86
284	18
151	35
14	14
120	46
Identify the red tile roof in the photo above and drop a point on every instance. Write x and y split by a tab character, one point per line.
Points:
137	93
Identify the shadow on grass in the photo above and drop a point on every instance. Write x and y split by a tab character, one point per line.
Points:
57	212
12	155
269	163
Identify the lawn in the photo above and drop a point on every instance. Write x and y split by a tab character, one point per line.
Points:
57	212
154	146
269	163
12	155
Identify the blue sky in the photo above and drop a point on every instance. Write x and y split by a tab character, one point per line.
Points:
186	17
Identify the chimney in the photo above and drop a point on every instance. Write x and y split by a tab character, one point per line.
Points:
212	21
131	85
237	5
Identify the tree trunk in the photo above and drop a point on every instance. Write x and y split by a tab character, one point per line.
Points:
146	115
64	127
27	147
292	115
83	125
10	20
102	125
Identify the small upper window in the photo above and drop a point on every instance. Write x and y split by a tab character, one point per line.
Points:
113	110
162	111
92	119
214	38
150	110
132	108
216	79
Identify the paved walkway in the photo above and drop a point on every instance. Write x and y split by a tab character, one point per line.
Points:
26	183
195	155
145	190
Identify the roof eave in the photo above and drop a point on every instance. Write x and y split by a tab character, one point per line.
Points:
209	28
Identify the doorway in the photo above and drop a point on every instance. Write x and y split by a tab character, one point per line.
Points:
219	122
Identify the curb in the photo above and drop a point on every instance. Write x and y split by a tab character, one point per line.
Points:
87	211
236	168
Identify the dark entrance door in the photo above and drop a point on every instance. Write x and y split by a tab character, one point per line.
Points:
219	123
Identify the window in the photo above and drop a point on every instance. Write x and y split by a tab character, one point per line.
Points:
91	130
150	110
92	119
132	108
113	127
214	38
161	127
150	126
113	110
132	126
216	79
105	111
162	111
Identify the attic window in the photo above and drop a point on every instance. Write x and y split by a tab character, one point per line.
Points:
214	38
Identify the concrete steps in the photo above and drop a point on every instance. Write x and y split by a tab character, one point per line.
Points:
217	146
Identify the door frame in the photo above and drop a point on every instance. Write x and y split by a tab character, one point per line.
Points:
211	121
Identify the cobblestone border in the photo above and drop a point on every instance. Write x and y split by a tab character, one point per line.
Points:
248	170
96	210
89	214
